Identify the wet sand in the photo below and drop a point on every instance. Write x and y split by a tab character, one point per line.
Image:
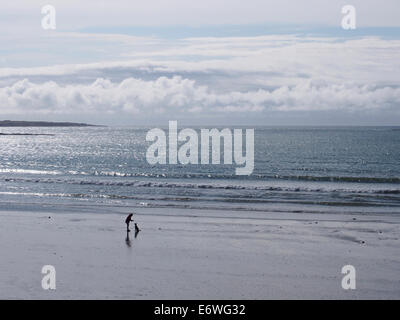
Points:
199	255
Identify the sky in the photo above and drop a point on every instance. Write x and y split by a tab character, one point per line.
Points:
254	62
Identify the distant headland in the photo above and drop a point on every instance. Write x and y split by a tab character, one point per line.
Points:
10	123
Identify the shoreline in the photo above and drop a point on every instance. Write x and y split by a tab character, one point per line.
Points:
195	256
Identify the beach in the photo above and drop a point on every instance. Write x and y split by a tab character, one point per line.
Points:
256	145
319	199
194	254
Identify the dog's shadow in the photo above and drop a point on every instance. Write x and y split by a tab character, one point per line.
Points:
128	240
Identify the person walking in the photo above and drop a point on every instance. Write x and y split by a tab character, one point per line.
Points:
128	220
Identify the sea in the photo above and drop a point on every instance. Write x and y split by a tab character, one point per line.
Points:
296	169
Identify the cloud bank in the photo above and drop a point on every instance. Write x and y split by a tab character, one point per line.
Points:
227	77
184	96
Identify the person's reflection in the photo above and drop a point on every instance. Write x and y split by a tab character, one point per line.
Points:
128	240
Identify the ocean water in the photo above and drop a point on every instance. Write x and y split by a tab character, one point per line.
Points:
322	169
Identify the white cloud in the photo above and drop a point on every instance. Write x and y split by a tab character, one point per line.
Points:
216	76
178	95
283	58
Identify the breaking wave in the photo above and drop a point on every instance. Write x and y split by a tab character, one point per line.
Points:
351	179
216	186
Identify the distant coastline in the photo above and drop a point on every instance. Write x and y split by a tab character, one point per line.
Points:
25	134
10	123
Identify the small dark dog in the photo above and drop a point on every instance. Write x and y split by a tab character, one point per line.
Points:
136	228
